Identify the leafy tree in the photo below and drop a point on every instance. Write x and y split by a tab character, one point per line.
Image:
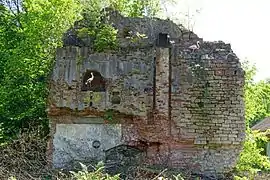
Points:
29	37
251	158
257	101
129	8
257	96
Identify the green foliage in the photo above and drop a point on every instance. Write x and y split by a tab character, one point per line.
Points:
96	175
85	32
84	174
137	37
135	8
178	177
29	39
12	178
240	178
257	103
257	96
251	159
109	115
96	26
106	39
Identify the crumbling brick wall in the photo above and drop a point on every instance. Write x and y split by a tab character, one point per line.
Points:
207	104
180	108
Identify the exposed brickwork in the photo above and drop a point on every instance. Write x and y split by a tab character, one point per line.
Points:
183	108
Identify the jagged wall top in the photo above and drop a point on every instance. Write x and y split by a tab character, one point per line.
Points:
132	32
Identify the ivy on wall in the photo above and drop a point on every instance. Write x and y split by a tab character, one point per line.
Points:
108	115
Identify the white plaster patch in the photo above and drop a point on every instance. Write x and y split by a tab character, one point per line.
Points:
75	142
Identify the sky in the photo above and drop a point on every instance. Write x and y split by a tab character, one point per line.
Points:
245	24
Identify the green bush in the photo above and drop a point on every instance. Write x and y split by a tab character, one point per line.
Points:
106	38
240	178
251	158
98	174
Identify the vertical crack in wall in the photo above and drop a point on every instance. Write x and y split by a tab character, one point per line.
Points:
171	55
151	118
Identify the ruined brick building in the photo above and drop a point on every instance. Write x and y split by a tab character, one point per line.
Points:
154	101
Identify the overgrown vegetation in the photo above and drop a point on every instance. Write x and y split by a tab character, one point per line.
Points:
257	96
30	32
25	158
97	174
96	27
253	158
